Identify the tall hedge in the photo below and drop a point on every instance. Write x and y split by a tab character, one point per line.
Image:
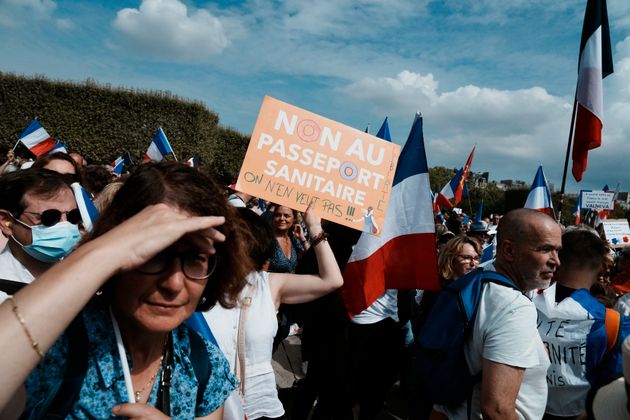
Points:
100	122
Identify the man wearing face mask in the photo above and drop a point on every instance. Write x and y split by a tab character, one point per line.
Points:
39	216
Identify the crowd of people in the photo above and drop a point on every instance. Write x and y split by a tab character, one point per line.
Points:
97	323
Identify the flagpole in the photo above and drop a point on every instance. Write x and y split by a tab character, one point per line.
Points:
566	160
16	145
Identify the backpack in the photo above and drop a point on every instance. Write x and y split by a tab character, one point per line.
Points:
441	372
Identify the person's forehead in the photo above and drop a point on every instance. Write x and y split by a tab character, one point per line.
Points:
61	166
284	210
544	229
63	200
467	248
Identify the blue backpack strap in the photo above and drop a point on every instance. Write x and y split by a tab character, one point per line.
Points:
494	277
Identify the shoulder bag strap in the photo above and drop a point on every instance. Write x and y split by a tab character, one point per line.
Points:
239	367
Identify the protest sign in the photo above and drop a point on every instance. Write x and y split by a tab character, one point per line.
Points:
296	157
597	200
617	232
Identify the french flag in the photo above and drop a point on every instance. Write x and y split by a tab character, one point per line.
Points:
193	162
59	147
539	197
594	65
445	196
383	132
36	139
89	212
118	165
404	256
159	147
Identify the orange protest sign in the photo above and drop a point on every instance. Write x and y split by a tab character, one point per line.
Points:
295	157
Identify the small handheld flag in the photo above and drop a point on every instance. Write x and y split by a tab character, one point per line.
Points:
89	212
479	214
36	139
193	162
159	148
59	147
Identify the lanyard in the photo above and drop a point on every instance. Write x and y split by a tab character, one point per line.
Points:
123	359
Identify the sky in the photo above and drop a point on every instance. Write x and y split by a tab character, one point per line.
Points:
500	74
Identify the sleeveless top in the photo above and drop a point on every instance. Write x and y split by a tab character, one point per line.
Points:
261	396
279	263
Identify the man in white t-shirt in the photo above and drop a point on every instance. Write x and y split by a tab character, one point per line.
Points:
505	345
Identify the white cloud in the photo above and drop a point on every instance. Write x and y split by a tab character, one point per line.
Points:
168	29
14	12
522	127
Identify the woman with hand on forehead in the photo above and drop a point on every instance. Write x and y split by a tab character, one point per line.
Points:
168	245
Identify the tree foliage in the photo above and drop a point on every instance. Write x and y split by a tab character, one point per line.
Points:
101	122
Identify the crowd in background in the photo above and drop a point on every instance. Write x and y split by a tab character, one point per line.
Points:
113	306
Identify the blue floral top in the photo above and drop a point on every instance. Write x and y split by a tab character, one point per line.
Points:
279	263
104	383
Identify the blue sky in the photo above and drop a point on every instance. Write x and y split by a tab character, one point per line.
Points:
497	73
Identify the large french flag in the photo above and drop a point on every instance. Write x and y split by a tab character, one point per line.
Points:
159	147
594	65
404	256
37	139
539	197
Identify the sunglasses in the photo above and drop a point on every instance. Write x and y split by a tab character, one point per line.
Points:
51	217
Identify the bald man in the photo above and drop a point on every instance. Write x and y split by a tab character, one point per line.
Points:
505	345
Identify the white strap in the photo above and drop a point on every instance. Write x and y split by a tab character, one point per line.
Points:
123	359
239	367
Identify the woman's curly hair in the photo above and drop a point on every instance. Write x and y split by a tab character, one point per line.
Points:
190	190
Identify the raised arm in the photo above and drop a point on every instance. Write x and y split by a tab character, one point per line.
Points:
48	305
296	288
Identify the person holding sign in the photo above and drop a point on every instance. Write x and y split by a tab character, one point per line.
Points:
168	244
246	333
581	335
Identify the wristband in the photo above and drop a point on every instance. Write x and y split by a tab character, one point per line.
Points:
322	236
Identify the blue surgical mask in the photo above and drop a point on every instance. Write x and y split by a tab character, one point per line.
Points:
51	243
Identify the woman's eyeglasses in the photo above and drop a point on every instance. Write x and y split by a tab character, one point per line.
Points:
469	258
194	266
51	217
